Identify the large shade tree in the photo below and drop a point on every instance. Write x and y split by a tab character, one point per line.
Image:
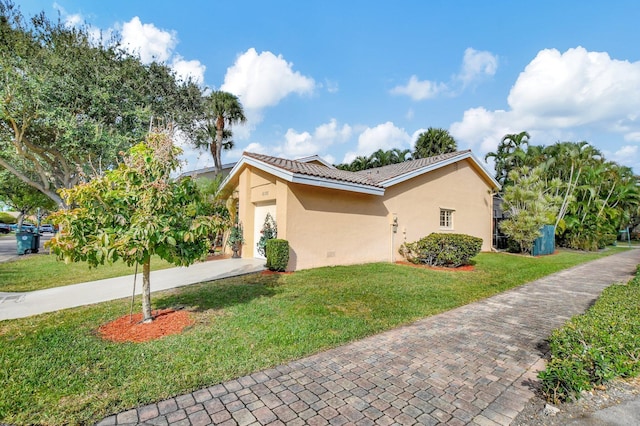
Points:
69	103
136	211
221	110
434	141
21	197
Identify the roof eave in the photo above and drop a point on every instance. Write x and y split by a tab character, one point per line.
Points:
301	178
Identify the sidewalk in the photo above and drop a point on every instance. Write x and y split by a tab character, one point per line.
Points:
473	365
19	305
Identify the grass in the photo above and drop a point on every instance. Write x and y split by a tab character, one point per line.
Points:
54	369
36	272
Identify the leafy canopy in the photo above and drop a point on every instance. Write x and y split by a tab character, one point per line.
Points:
69	103
530	205
135	211
434	142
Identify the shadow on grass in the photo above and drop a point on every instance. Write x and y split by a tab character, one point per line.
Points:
215	295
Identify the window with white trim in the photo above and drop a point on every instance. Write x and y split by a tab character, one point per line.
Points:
446	219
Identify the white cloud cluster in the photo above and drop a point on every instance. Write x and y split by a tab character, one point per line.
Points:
384	136
476	65
297	145
558	93
419	90
155	44
185	69
150	42
263	79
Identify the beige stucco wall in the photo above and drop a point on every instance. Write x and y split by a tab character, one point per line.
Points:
331	227
458	187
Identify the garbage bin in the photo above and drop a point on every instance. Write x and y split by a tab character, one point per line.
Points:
27	242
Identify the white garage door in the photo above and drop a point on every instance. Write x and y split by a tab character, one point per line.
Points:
260	214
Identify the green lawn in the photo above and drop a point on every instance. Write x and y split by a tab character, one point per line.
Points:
40	271
54	369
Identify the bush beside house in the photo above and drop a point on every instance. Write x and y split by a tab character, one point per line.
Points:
277	254
437	249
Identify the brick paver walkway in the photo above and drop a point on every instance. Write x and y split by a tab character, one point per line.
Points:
472	365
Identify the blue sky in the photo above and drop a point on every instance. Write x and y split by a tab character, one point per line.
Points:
345	78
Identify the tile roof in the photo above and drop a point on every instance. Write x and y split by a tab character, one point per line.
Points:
315	170
371	177
381	174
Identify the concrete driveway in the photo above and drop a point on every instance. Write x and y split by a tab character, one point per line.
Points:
20	305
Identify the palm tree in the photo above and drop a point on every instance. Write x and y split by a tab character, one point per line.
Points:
223	110
360	163
381	158
509	155
434	142
401	155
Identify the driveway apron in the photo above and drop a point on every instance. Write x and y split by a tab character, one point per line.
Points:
473	365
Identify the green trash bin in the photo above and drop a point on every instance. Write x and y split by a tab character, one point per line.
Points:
27	242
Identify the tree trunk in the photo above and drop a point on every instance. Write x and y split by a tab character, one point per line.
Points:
146	291
217	158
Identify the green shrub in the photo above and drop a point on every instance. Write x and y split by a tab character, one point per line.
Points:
7	218
451	250
595	347
277	254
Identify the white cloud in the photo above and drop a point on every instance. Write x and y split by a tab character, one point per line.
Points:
577	87
627	155
632	137
263	80
297	145
477	65
147	40
383	136
559	95
193	69
419	90
71	20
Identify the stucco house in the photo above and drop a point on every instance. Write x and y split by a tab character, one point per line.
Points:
207	172
336	217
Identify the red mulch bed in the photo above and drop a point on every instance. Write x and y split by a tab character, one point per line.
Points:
438	268
165	322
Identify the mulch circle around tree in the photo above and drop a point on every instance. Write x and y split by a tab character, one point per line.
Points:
132	329
465	268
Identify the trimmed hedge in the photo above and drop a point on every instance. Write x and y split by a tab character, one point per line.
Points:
596	347
277	254
437	249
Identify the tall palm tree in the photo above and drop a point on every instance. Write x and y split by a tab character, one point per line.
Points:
434	142
509	155
223	110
